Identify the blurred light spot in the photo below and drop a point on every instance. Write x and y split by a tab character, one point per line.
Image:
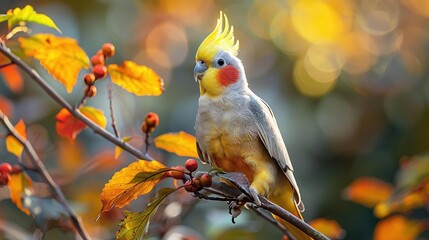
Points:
37	210
336	117
260	15
379	17
418	6
354	46
316	21
167	45
284	35
184	10
307	85
323	63
173	209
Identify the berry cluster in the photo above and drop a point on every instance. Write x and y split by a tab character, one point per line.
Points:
6	170
99	70
150	123
195	183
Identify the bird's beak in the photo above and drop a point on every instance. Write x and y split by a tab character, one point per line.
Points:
199	70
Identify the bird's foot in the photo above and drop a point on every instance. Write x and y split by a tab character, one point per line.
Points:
243	200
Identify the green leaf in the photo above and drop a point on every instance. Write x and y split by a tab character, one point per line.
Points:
27	14
136	224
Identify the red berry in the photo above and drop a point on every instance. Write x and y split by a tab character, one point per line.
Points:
190	187
167	174
89	79
4	178
108	49
145	128
206	180
191	165
99	71
5	168
152	119
178	172
197	183
97	59
16	169
92	91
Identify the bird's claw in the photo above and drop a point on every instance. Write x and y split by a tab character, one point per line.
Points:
234	207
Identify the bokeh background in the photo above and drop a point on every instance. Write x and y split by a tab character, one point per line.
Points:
347	81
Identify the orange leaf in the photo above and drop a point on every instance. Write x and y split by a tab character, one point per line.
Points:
6	107
18	184
404	201
12	78
181	143
368	191
12	144
137	79
329	228
69	126
136	179
397	228
61	57
118	150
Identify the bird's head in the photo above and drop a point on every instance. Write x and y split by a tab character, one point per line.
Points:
217	67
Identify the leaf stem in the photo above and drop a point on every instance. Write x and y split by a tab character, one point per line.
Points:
112	115
75	112
58	194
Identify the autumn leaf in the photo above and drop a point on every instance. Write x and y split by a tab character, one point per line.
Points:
136	179
181	143
69	126
18	184
12	144
61	57
6	107
137	79
368	191
329	228
397	228
27	14
136	224
118	149
404	201
12	78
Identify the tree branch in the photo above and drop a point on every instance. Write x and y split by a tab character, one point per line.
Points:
74	111
232	192
58	194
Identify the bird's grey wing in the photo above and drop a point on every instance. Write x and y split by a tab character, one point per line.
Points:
271	137
201	154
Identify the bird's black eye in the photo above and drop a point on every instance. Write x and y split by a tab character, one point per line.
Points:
221	62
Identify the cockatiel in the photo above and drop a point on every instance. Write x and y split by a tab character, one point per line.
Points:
236	130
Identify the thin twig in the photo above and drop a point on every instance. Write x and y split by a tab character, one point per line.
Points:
6	64
112	115
75	112
45	174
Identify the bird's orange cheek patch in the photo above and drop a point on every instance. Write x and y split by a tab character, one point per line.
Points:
228	75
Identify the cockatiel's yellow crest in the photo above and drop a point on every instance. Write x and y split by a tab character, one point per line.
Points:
222	38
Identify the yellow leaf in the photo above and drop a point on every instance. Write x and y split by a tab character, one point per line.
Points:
12	144
135	225
368	191
95	115
118	149
181	143
27	14
18	184
329	228
136	179
61	57
398	228
137	79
